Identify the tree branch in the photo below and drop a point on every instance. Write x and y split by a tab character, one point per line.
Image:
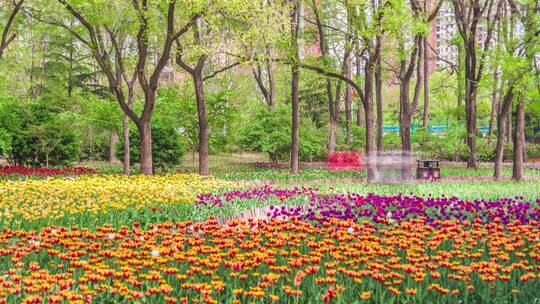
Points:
339	76
216	72
435	11
101	57
5	41
487	43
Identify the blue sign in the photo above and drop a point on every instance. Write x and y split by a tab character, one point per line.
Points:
433	129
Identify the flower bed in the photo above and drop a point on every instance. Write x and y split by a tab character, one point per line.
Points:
32	200
309	247
274	261
309	204
38	171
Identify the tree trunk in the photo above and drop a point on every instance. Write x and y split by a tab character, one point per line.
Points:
271	86
332	136
509	127
460	76
348	106
470	111
470	103
407	108
359	112
295	141
295	78
348	114
499	149
494	102
379	102
203	123
113	141
371	154
145	132
331	114
127	153
504	108
425	120
405	128
523	142
519	144
405	133
334	122
47	160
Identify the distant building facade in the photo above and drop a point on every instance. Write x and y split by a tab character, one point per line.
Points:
443	51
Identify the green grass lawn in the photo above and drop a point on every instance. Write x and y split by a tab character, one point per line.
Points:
458	180
469	190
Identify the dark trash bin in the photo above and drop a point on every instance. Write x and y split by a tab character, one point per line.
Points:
428	169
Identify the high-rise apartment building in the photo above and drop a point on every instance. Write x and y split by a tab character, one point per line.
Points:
443	51
444	32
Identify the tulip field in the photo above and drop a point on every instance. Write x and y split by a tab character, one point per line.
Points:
78	236
36	202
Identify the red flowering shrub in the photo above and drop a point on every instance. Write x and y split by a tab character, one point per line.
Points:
344	160
37	171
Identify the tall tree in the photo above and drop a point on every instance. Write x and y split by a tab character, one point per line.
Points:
518	75
528	13
333	101
365	26
496	88
197	73
505	105
425	47
378	91
410	61
218	31
7	37
294	12
99	35
519	140
348	100
408	107
469	15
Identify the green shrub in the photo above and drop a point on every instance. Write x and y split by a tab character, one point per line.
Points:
533	150
270	132
167	147
5	143
358	139
312	144
391	141
33	131
66	150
